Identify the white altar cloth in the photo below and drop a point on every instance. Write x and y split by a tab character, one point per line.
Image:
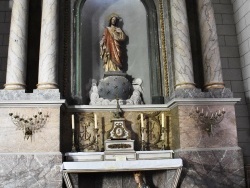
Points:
109	166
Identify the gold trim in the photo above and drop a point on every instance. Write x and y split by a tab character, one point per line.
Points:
215	85
119	146
46	85
164	50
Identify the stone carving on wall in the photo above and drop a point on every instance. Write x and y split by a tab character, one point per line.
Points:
153	139
87	136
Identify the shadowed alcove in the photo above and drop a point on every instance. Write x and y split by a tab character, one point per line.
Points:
142	59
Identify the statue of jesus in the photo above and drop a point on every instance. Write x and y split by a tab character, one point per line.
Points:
110	45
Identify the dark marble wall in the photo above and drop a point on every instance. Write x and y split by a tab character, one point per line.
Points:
212	168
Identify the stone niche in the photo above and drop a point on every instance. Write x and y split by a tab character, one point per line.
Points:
142	56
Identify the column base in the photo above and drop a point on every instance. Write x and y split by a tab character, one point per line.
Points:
187	93
185	85
214	85
47	86
14	86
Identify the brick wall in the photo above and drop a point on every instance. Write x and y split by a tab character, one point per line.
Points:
5	15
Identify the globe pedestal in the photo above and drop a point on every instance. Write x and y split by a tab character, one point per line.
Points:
115	85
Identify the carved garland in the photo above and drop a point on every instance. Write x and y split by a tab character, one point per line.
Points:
153	125
87	139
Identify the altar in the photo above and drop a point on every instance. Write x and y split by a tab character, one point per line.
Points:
116	99
170	169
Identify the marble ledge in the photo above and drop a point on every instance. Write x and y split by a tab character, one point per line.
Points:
31	153
197	93
206	149
20	95
150	107
212	168
115	166
31	103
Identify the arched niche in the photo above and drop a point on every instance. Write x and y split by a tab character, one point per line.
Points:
139	22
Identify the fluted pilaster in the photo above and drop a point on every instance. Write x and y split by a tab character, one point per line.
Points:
17	52
47	78
182	49
210	46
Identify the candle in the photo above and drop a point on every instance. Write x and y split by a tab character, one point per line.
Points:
142	136
142	123
162	136
162	120
95	118
73	121
197	110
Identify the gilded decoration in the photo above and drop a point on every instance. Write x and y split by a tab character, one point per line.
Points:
163	48
87	132
156	137
119	146
156	129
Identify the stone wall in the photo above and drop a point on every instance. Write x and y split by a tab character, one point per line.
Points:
211	157
5	15
241	10
233	40
30	161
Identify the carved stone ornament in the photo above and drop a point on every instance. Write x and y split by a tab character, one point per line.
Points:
119	130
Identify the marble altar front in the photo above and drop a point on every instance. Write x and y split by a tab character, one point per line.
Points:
165	166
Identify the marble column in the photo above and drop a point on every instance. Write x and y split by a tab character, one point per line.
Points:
182	48
48	58
210	46
17	52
